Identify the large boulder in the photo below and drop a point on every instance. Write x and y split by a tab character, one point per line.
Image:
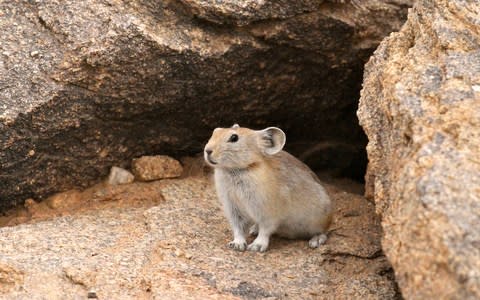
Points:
85	85
420	108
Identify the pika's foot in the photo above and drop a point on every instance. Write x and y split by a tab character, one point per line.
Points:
260	244
257	247
238	245
253	230
317	240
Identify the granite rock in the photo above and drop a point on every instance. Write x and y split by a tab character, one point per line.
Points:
85	85
420	108
147	168
119	176
167	239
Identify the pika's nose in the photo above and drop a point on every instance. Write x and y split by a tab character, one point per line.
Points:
208	151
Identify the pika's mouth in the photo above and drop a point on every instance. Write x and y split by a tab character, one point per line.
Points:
211	161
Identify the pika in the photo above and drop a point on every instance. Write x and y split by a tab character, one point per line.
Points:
266	189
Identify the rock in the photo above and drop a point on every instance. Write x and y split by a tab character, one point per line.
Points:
420	107
10	278
100	196
30	205
147	168
65	200
195	166
119	176
85	85
177	249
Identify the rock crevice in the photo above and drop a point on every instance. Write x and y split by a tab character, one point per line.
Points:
87	85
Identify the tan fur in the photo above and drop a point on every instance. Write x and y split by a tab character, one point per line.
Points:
259	184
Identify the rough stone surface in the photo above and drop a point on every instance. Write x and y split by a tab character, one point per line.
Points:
85	85
119	176
147	168
420	108
10	278
167	240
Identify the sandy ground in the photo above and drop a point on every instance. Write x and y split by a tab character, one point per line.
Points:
167	240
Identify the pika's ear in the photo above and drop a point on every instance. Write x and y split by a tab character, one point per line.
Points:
235	126
271	140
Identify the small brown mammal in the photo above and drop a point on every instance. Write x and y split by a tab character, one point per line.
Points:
261	186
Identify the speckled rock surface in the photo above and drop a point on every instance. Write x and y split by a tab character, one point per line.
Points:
147	168
85	85
420	108
168	240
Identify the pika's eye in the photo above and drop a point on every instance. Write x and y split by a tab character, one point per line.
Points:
233	138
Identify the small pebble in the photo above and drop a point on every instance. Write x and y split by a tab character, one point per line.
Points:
119	176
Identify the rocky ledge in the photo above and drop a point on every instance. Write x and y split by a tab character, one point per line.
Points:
162	239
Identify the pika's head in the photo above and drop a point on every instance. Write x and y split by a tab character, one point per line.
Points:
240	148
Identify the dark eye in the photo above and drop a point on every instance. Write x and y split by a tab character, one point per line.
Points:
233	138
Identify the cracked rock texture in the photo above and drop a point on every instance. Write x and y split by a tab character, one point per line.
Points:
420	107
86	85
168	239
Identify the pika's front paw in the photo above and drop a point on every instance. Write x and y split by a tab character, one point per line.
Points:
257	247
237	245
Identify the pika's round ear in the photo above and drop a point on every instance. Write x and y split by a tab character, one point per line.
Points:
271	140
235	126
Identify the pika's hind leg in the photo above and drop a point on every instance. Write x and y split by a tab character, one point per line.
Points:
317	240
